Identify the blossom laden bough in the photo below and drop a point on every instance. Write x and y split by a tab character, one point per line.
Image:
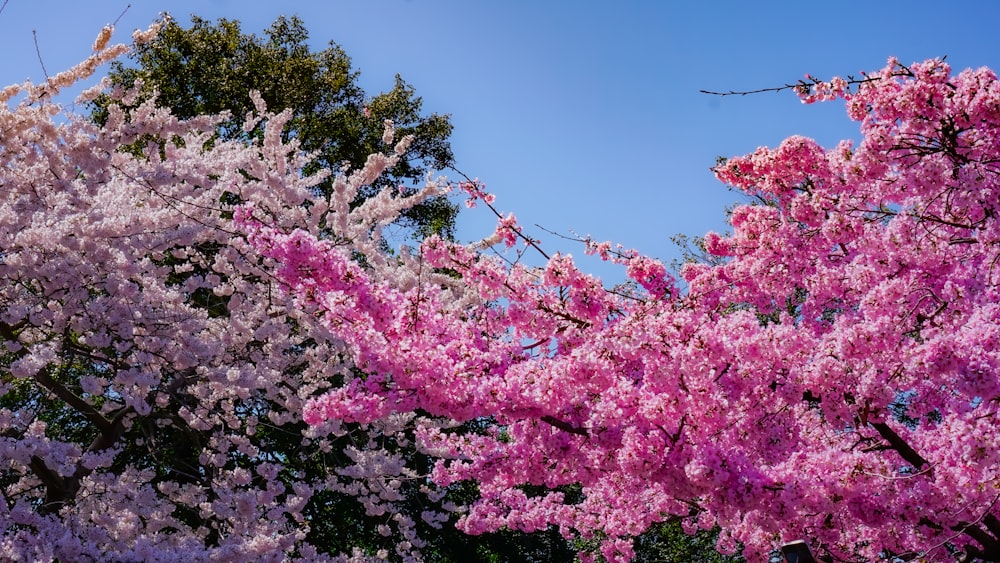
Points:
834	376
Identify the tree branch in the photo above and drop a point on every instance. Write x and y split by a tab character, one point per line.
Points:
806	86
899	444
45	379
56	488
565	426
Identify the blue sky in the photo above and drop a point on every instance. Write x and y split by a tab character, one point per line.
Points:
581	116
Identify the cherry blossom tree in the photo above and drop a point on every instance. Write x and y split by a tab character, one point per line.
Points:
152	373
831	376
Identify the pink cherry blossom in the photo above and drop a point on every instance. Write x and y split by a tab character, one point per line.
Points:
833	376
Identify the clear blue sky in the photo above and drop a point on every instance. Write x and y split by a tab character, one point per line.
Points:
580	115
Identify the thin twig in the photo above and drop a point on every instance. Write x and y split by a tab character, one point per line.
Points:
34	33
528	241
115	23
4	6
805	86
800	85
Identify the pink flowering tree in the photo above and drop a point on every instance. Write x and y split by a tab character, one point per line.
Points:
833	376
153	375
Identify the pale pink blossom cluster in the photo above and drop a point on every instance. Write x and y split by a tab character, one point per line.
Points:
476	192
834	377
153	373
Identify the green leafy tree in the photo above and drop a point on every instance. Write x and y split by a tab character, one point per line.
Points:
209	68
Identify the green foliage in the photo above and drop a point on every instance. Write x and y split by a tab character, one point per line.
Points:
667	543
213	67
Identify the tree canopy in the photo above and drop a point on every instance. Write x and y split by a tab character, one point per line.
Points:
209	68
153	375
831	376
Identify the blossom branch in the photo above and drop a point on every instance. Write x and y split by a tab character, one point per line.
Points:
900	445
